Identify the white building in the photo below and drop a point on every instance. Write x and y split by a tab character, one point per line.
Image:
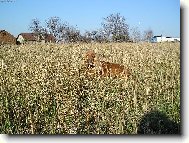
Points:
161	38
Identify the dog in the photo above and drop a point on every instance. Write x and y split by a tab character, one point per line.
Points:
89	59
103	68
87	64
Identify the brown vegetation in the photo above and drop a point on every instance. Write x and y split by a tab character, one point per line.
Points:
43	91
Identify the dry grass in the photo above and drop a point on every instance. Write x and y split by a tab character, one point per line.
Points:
42	90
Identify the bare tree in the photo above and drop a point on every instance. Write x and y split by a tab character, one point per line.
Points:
71	34
55	27
87	37
148	34
135	34
35	26
99	36
94	36
116	28
62	31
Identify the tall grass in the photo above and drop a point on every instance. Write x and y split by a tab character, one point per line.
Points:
42	90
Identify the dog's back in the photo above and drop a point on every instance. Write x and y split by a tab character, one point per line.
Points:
113	69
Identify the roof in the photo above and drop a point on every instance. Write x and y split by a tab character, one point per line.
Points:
34	37
29	36
6	37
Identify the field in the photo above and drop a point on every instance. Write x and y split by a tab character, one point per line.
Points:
43	90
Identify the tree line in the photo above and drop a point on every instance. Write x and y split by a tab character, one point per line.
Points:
114	28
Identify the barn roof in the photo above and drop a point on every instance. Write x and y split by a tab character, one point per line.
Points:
29	36
34	37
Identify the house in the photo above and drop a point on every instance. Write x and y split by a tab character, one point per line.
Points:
32	38
6	38
156	39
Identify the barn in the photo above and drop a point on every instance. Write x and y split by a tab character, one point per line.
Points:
32	38
156	39
6	38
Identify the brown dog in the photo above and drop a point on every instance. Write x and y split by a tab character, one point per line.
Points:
103	68
108	69
89	59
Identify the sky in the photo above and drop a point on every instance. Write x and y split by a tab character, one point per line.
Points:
161	16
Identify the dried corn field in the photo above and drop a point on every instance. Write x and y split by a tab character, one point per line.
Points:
44	91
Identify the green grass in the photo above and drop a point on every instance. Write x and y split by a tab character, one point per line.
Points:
43	92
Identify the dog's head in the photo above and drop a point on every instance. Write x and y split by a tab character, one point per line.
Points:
90	58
